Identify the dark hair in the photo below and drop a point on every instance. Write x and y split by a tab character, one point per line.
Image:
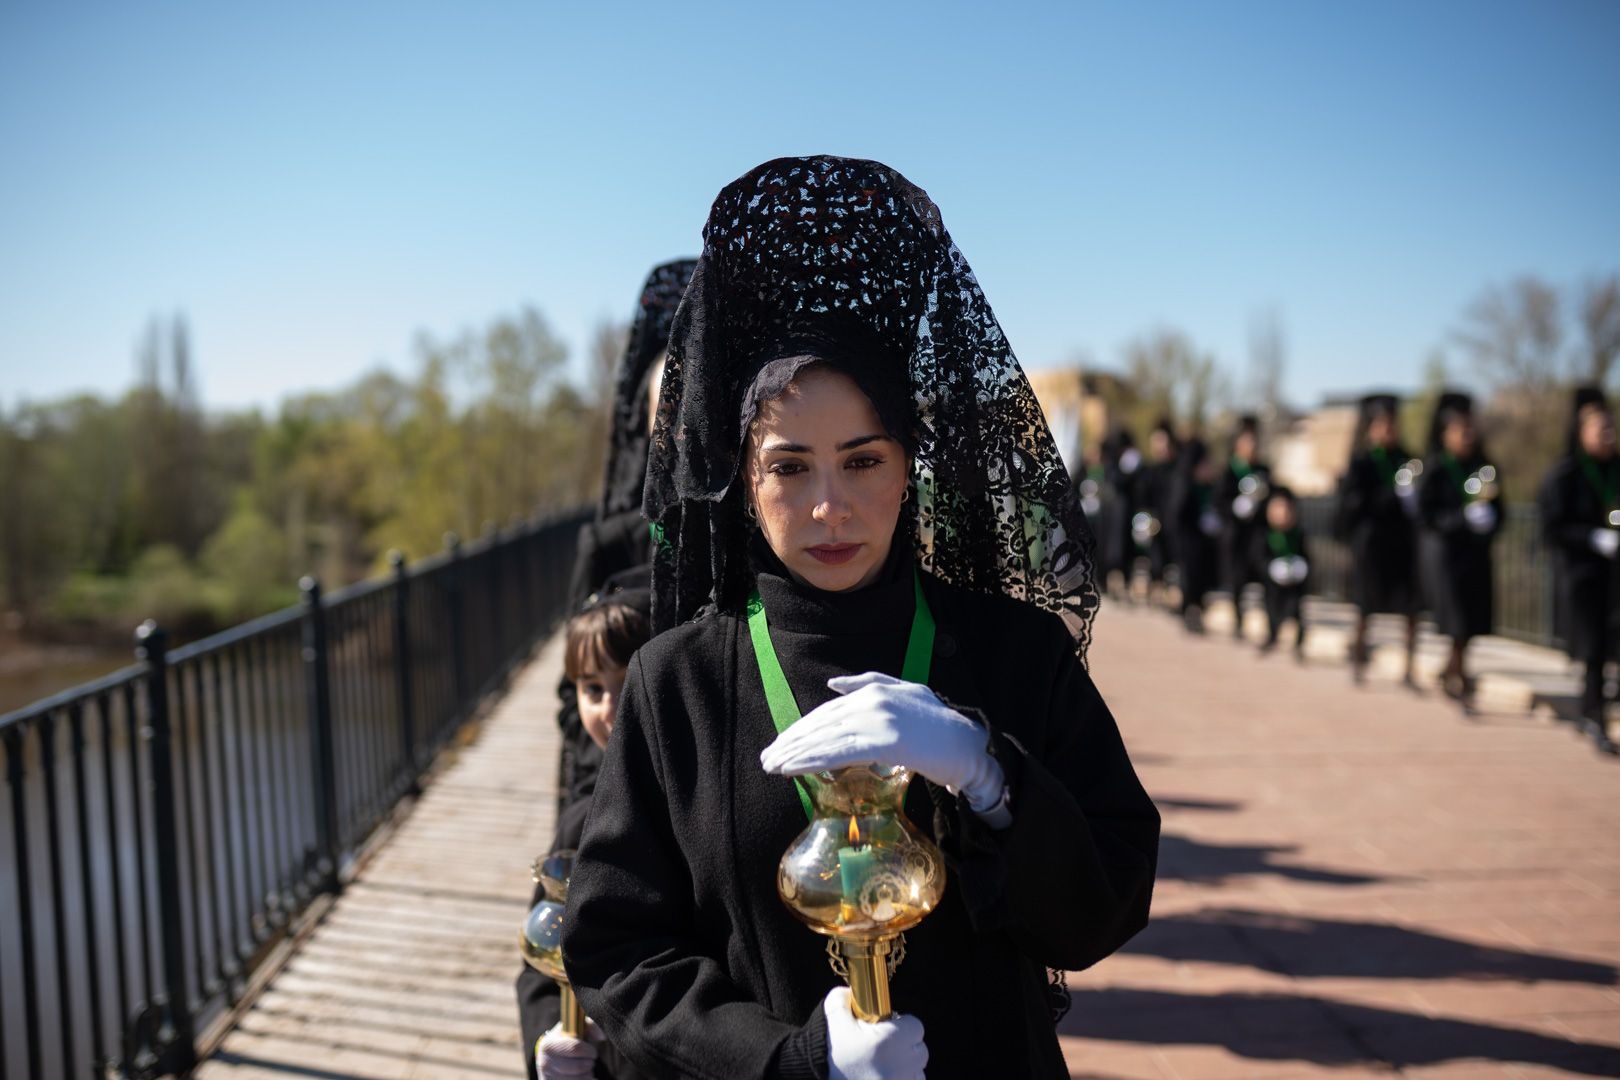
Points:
606	634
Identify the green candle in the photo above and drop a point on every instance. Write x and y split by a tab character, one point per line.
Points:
854	865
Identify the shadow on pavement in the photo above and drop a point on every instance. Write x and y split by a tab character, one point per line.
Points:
1184	859
1319	1031
1224	806
1315	947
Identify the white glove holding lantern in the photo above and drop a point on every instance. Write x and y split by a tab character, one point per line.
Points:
1243	507
563	1057
1130	461
891	1049
878	719
1480	516
1606	542
1280	571
1298	568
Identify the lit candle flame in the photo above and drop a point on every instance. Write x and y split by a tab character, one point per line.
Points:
854	831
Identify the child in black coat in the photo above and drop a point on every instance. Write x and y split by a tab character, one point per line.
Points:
1277	555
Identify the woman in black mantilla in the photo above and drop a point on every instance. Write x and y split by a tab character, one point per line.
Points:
1150	525
1378	509
612	547
844	429
1195	527
1238	499
618	539
1580	518
1457	502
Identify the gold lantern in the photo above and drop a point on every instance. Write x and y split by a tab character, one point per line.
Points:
862	874
541	940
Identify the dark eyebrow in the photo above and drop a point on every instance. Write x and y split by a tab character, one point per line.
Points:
795	448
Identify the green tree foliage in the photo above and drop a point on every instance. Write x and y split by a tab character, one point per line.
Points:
147	506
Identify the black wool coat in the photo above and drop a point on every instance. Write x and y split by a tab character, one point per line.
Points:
677	942
1454	561
1382	535
1237	535
1282	601
539	1005
1195	550
1586	604
1158	482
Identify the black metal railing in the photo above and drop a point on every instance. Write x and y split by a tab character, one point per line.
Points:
163	826
1523	596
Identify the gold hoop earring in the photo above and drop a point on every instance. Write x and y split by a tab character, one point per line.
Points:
905	496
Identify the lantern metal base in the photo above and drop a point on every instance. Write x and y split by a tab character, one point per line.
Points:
866	967
571	1014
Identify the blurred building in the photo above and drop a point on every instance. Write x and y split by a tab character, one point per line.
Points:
1311	451
1079	409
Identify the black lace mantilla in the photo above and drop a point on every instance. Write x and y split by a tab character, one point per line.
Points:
850	250
626	468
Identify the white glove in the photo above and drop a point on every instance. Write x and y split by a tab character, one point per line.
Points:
1243	507
1409	500
883	720
1298	568
1130	460
1090	506
1209	523
1481	516
1606	542
1280	571
890	1049
563	1057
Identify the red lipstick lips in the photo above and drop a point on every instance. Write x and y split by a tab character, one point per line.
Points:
833	554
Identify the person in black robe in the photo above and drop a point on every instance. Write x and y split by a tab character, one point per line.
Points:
1195	525
846	444
1378	510
1580	519
1457	502
1241	493
1122	474
1283	567
1149	525
539	1005
618	538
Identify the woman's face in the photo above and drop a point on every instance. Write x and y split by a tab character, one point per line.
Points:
1381	430
598	695
1459	437
1243	446
826	481
1597	432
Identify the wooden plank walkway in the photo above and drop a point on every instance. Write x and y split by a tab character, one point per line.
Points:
1353	882
410	974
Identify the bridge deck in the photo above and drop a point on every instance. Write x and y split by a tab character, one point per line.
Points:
1353	882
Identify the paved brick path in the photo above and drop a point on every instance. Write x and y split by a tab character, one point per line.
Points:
1352	882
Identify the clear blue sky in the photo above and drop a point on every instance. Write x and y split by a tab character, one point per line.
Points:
313	183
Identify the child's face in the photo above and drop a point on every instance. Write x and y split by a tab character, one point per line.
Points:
1280	514
598	693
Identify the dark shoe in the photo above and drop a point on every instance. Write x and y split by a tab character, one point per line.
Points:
1411	683
1193	620
1299	652
1268	646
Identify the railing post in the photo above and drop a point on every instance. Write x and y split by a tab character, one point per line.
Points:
322	748
458	644
176	1049
402	665
494	556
